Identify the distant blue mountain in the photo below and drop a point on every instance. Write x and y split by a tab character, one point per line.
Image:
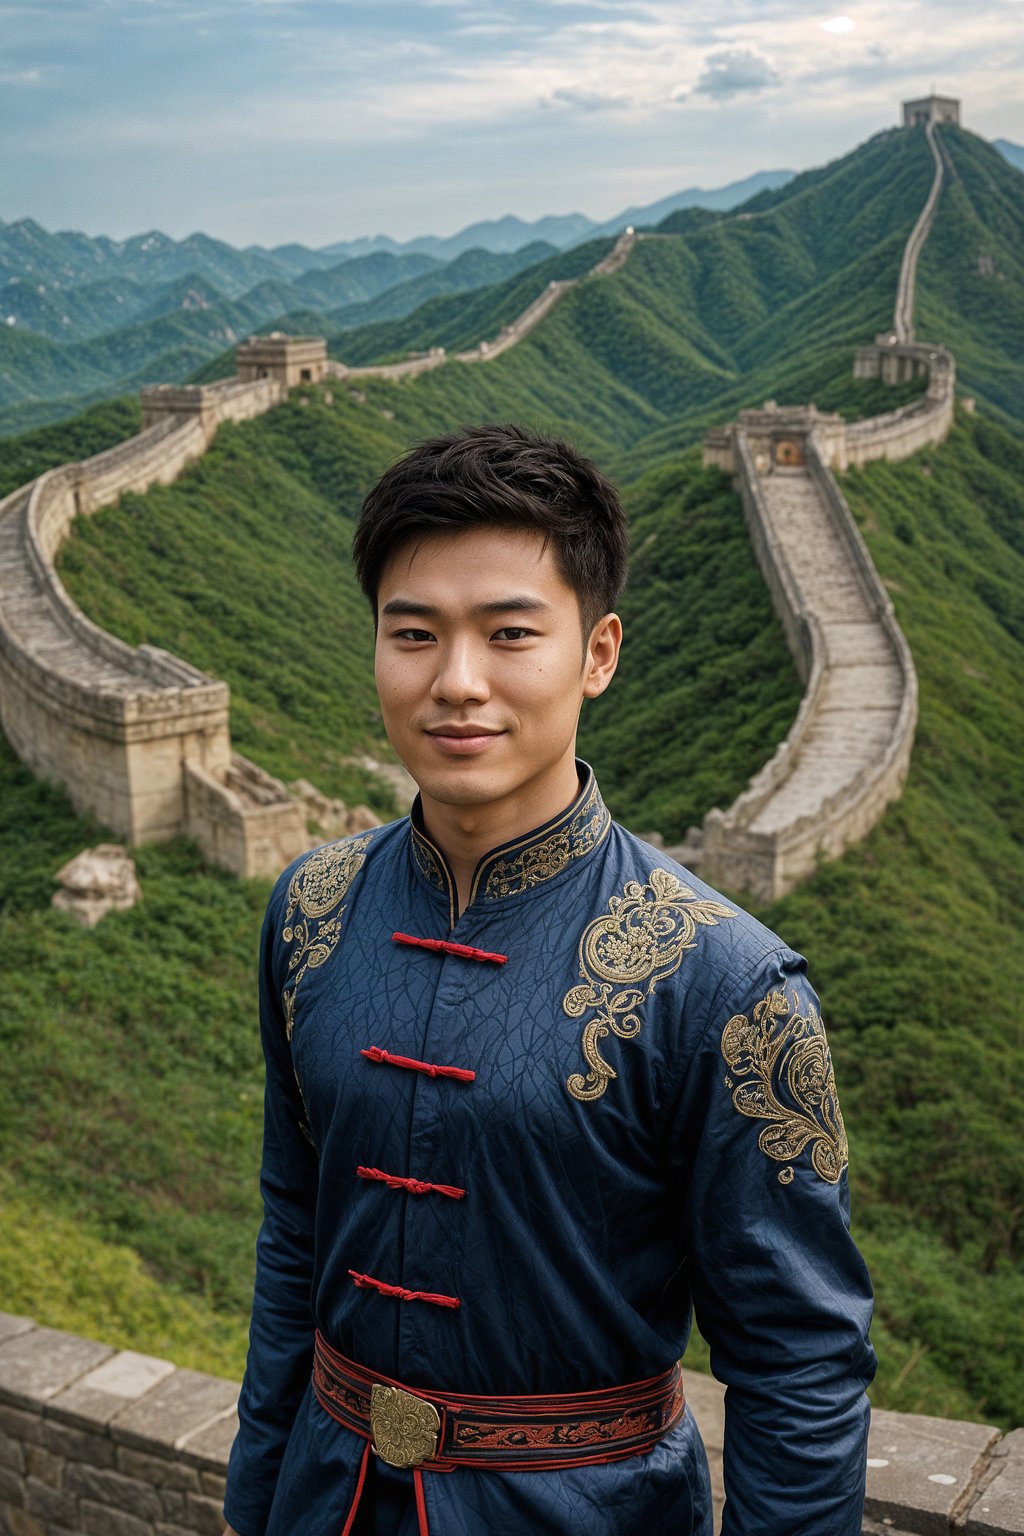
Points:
1009	151
501	236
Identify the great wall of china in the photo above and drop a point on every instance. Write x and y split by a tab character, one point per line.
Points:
141	739
109	1442
847	753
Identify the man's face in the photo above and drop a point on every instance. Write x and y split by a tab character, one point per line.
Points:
480	667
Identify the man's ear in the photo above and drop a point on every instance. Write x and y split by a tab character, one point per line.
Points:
602	655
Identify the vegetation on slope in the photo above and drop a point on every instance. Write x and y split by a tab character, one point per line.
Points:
103	426
683	695
970	288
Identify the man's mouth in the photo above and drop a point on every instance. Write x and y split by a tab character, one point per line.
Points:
462	738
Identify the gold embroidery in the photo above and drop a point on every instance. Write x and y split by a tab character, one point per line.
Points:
427	861
540	861
638	943
317	889
784	1048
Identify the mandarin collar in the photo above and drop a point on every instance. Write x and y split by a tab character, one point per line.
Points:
526	862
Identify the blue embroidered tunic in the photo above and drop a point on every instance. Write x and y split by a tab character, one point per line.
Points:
652	1125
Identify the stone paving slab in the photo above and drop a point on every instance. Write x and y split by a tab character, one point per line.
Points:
999	1508
919	1469
39	1362
863	687
97	1396
863	642
211	1446
11	1325
178	1407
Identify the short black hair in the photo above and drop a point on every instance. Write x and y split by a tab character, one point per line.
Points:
501	476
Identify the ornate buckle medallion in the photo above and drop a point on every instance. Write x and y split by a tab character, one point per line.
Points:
404	1428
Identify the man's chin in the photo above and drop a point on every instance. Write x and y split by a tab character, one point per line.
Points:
463	786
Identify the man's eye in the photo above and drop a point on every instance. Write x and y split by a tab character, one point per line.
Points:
512	632
413	634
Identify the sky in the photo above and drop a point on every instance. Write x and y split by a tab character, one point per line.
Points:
270	121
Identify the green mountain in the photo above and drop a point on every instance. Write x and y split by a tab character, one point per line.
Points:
242	567
472	269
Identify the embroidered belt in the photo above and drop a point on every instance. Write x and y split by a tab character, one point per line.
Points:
439	1431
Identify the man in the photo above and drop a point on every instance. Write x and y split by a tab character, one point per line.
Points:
532	1088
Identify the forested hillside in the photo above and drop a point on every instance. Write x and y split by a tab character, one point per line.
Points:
130	1098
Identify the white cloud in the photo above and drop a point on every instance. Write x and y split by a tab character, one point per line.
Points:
588	100
732	70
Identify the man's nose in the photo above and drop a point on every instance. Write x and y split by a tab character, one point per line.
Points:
461	675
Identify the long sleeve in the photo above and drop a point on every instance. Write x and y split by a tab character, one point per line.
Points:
282	1329
780	1291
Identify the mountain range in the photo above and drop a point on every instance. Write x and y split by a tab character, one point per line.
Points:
85	318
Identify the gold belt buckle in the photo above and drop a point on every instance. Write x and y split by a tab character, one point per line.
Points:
404	1429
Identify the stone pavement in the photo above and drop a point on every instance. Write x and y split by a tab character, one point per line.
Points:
860	697
37	623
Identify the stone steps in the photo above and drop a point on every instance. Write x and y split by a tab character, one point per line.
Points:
859	700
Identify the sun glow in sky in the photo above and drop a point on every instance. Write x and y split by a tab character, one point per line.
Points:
320	120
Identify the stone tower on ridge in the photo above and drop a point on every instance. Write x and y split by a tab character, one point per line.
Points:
931	109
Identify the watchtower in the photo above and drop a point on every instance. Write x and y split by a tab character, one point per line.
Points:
289	359
931	109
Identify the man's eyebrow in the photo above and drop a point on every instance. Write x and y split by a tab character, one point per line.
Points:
408	608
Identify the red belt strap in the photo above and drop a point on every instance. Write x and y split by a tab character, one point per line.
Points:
439	1431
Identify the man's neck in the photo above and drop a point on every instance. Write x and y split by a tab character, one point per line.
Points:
466	833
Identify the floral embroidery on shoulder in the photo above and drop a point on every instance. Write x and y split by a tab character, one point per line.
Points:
312	920
785	1065
623	955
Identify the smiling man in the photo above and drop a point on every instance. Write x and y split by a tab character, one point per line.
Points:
534	1092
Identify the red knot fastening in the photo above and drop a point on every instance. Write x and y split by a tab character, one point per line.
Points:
431	1068
399	1292
445	947
414	1186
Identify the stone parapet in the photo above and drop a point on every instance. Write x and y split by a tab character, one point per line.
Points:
847	754
109	1442
903	318
118	724
245	821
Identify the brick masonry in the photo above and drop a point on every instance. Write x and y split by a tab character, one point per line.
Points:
109	1442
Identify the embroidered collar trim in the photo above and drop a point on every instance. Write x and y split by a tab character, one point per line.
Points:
526	862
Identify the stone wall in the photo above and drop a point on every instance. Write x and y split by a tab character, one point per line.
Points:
898	434
860	684
122	726
509	336
109	1442
734	849
903	317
